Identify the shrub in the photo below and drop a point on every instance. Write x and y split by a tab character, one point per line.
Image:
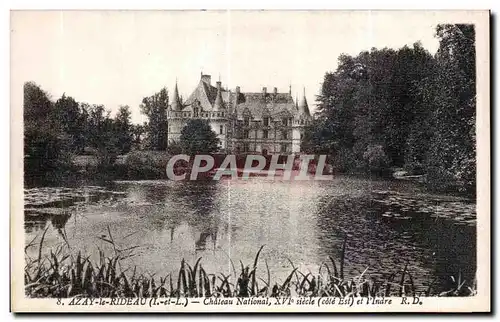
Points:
146	164
376	159
344	160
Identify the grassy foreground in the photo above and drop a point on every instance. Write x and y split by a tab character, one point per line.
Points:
63	275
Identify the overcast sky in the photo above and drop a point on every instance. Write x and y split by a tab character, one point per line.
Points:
117	57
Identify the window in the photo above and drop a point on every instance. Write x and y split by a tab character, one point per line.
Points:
246	134
196	112
301	136
246	121
285	135
218	114
283	148
265	134
221	129
285	122
266	121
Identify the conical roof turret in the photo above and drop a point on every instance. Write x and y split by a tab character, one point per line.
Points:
303	106
176	102
218	104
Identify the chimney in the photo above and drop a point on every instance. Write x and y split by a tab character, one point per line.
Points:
264	91
206	78
218	85
275	90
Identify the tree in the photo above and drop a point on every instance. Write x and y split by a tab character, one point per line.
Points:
368	102
197	137
155	108
37	105
451	93
123	129
403	108
46	154
138	132
66	114
101	135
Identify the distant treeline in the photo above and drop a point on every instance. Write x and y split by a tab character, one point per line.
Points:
405	108
56	131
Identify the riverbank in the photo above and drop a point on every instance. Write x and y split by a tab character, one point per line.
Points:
151	165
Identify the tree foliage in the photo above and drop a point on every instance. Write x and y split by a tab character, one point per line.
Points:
123	129
155	108
406	107
55	132
45	146
197	137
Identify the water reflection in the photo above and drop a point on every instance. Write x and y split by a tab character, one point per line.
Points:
434	249
59	223
300	222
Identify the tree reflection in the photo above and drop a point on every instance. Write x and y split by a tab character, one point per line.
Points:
199	209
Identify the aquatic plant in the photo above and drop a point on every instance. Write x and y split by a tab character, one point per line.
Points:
61	275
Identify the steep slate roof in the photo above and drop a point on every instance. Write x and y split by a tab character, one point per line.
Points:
176	105
276	104
206	95
303	107
254	102
219	103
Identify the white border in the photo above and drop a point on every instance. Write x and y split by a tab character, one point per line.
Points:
148	4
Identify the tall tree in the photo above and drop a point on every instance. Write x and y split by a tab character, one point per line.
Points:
452	94
123	129
155	108
69	119
45	146
101	135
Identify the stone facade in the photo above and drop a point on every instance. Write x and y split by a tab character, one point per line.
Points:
244	122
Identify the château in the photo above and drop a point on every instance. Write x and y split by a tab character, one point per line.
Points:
245	122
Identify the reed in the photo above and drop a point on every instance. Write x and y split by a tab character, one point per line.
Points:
62	275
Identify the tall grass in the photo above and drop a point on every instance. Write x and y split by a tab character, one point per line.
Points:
63	275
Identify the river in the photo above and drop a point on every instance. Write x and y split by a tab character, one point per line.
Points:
386	225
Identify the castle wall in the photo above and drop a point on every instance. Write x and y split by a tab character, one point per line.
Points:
220	128
296	139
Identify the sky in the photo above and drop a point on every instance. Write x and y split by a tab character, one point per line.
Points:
118	57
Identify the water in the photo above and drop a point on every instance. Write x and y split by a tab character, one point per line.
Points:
387	224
